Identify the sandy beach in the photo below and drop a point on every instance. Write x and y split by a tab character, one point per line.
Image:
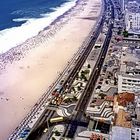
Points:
28	70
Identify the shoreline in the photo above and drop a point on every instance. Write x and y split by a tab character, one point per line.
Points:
23	81
49	17
19	49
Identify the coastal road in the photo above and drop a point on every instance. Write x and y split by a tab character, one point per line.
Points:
83	101
49	113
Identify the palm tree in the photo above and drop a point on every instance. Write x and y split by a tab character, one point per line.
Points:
53	138
74	98
89	66
125	33
102	95
57	133
78	88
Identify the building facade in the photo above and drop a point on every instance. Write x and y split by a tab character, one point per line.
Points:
132	17
128	83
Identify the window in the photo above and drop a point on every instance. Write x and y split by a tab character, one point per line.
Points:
133	133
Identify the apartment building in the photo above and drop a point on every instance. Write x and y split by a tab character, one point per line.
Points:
129	83
132	17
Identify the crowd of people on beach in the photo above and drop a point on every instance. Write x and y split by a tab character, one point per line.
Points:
19	52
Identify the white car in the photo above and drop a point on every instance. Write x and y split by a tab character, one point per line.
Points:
45	130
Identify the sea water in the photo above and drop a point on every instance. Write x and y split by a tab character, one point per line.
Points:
23	19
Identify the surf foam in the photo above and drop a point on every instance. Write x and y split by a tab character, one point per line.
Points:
17	35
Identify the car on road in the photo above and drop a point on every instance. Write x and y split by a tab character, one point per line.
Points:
22	136
45	130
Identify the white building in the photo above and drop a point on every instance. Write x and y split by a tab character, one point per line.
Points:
132	17
135	134
121	133
129	83
132	22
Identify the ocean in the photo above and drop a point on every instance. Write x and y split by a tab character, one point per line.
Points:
23	19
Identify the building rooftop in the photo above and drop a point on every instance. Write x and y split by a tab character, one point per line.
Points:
133	6
95	136
101	108
109	98
91	135
130	60
121	119
137	107
98	102
121	133
124	98
130	76
137	100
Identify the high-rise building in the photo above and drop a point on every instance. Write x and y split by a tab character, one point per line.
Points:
132	17
128	83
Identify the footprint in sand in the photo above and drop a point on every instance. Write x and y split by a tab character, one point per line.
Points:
1	92
22	98
21	67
